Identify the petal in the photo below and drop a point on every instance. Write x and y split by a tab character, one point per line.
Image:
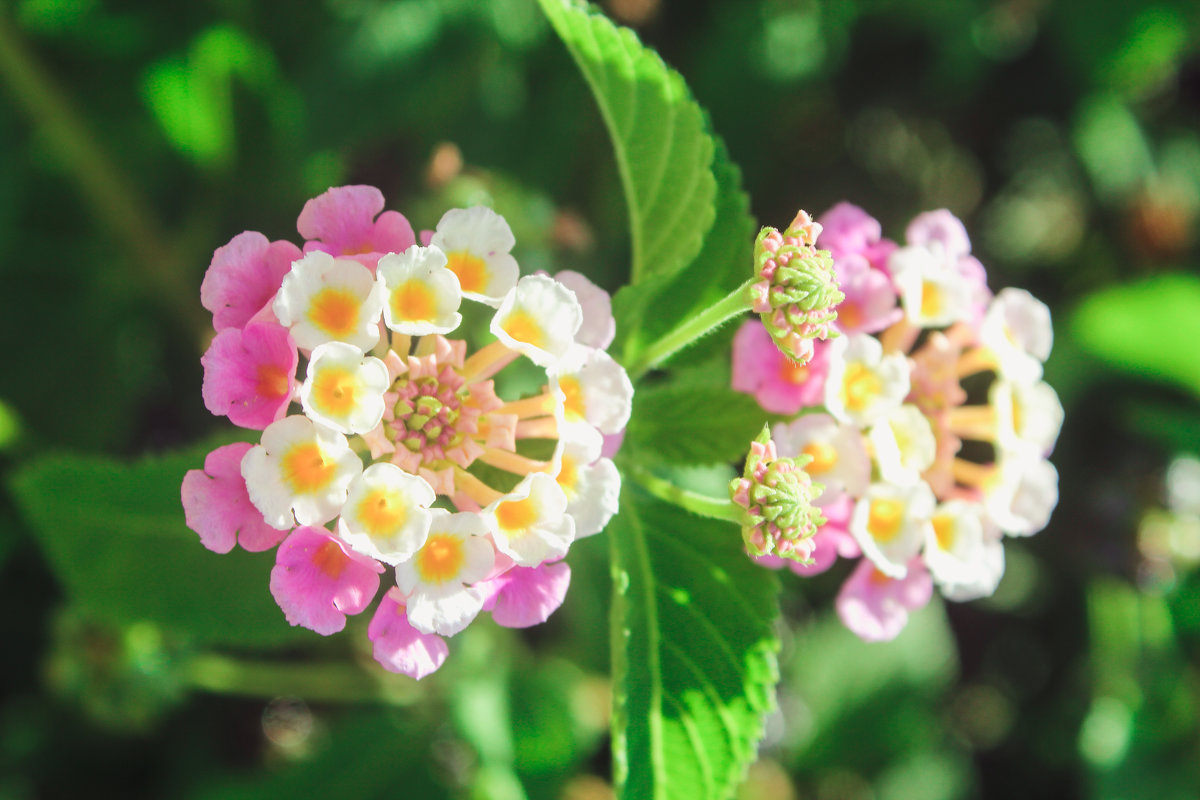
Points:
343	218
400	647
244	276
529	595
250	374
216	505
317	580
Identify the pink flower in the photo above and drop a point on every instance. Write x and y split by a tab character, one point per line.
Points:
871	301
216	505
250	374
525	596
780	385
847	231
400	647
875	607
346	221
317	580
243	278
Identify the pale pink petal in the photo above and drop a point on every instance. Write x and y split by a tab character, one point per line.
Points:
398	646
943	227
599	327
612	443
780	386
244	276
216	505
871	302
344	220
875	607
823	555
317	580
846	229
528	595
250	374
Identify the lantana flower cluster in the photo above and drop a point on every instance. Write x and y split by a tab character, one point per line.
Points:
882	415
385	448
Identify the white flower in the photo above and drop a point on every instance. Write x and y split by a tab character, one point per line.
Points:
932	290
386	515
1029	416
343	388
1016	329
904	445
301	468
591	484
323	299
421	295
439	580
890	524
864	385
596	389
530	522
477	242
963	551
1021	493
539	319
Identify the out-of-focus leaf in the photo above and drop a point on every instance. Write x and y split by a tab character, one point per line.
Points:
114	535
694	664
664	153
690	424
1112	146
1149	328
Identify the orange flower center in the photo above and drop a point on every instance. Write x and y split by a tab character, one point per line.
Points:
334	311
306	469
471	271
441	558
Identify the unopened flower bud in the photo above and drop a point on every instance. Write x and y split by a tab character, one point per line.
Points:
796	291
777	495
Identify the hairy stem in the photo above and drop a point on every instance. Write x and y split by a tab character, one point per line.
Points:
690	330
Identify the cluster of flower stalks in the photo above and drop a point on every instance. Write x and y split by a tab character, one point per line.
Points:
384	441
881	412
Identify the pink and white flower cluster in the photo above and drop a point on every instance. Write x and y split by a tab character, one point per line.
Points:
882	415
385	446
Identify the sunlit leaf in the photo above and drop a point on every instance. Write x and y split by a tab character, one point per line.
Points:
692	424
663	151
694	665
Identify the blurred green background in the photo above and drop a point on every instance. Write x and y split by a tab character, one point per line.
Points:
135	137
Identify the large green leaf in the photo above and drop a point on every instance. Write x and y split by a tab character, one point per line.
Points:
694	655
693	424
723	263
1149	328
658	132
115	536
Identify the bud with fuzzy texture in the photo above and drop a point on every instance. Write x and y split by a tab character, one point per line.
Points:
796	291
777	495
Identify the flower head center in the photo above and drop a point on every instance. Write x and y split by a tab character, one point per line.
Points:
441	558
330	560
335	311
885	519
824	457
306	469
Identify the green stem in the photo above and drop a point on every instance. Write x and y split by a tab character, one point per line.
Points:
690	330
113	200
332	682
700	504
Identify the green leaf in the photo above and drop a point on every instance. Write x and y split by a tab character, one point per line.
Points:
115	536
723	263
663	152
685	423
1124	326
694	655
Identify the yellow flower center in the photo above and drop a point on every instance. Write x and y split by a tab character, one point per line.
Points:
860	386
793	373
522	326
931	299
441	558
943	531
381	512
471	270
885	519
515	516
335	311
306	469
568	475
573	406
413	300
335	391
824	457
